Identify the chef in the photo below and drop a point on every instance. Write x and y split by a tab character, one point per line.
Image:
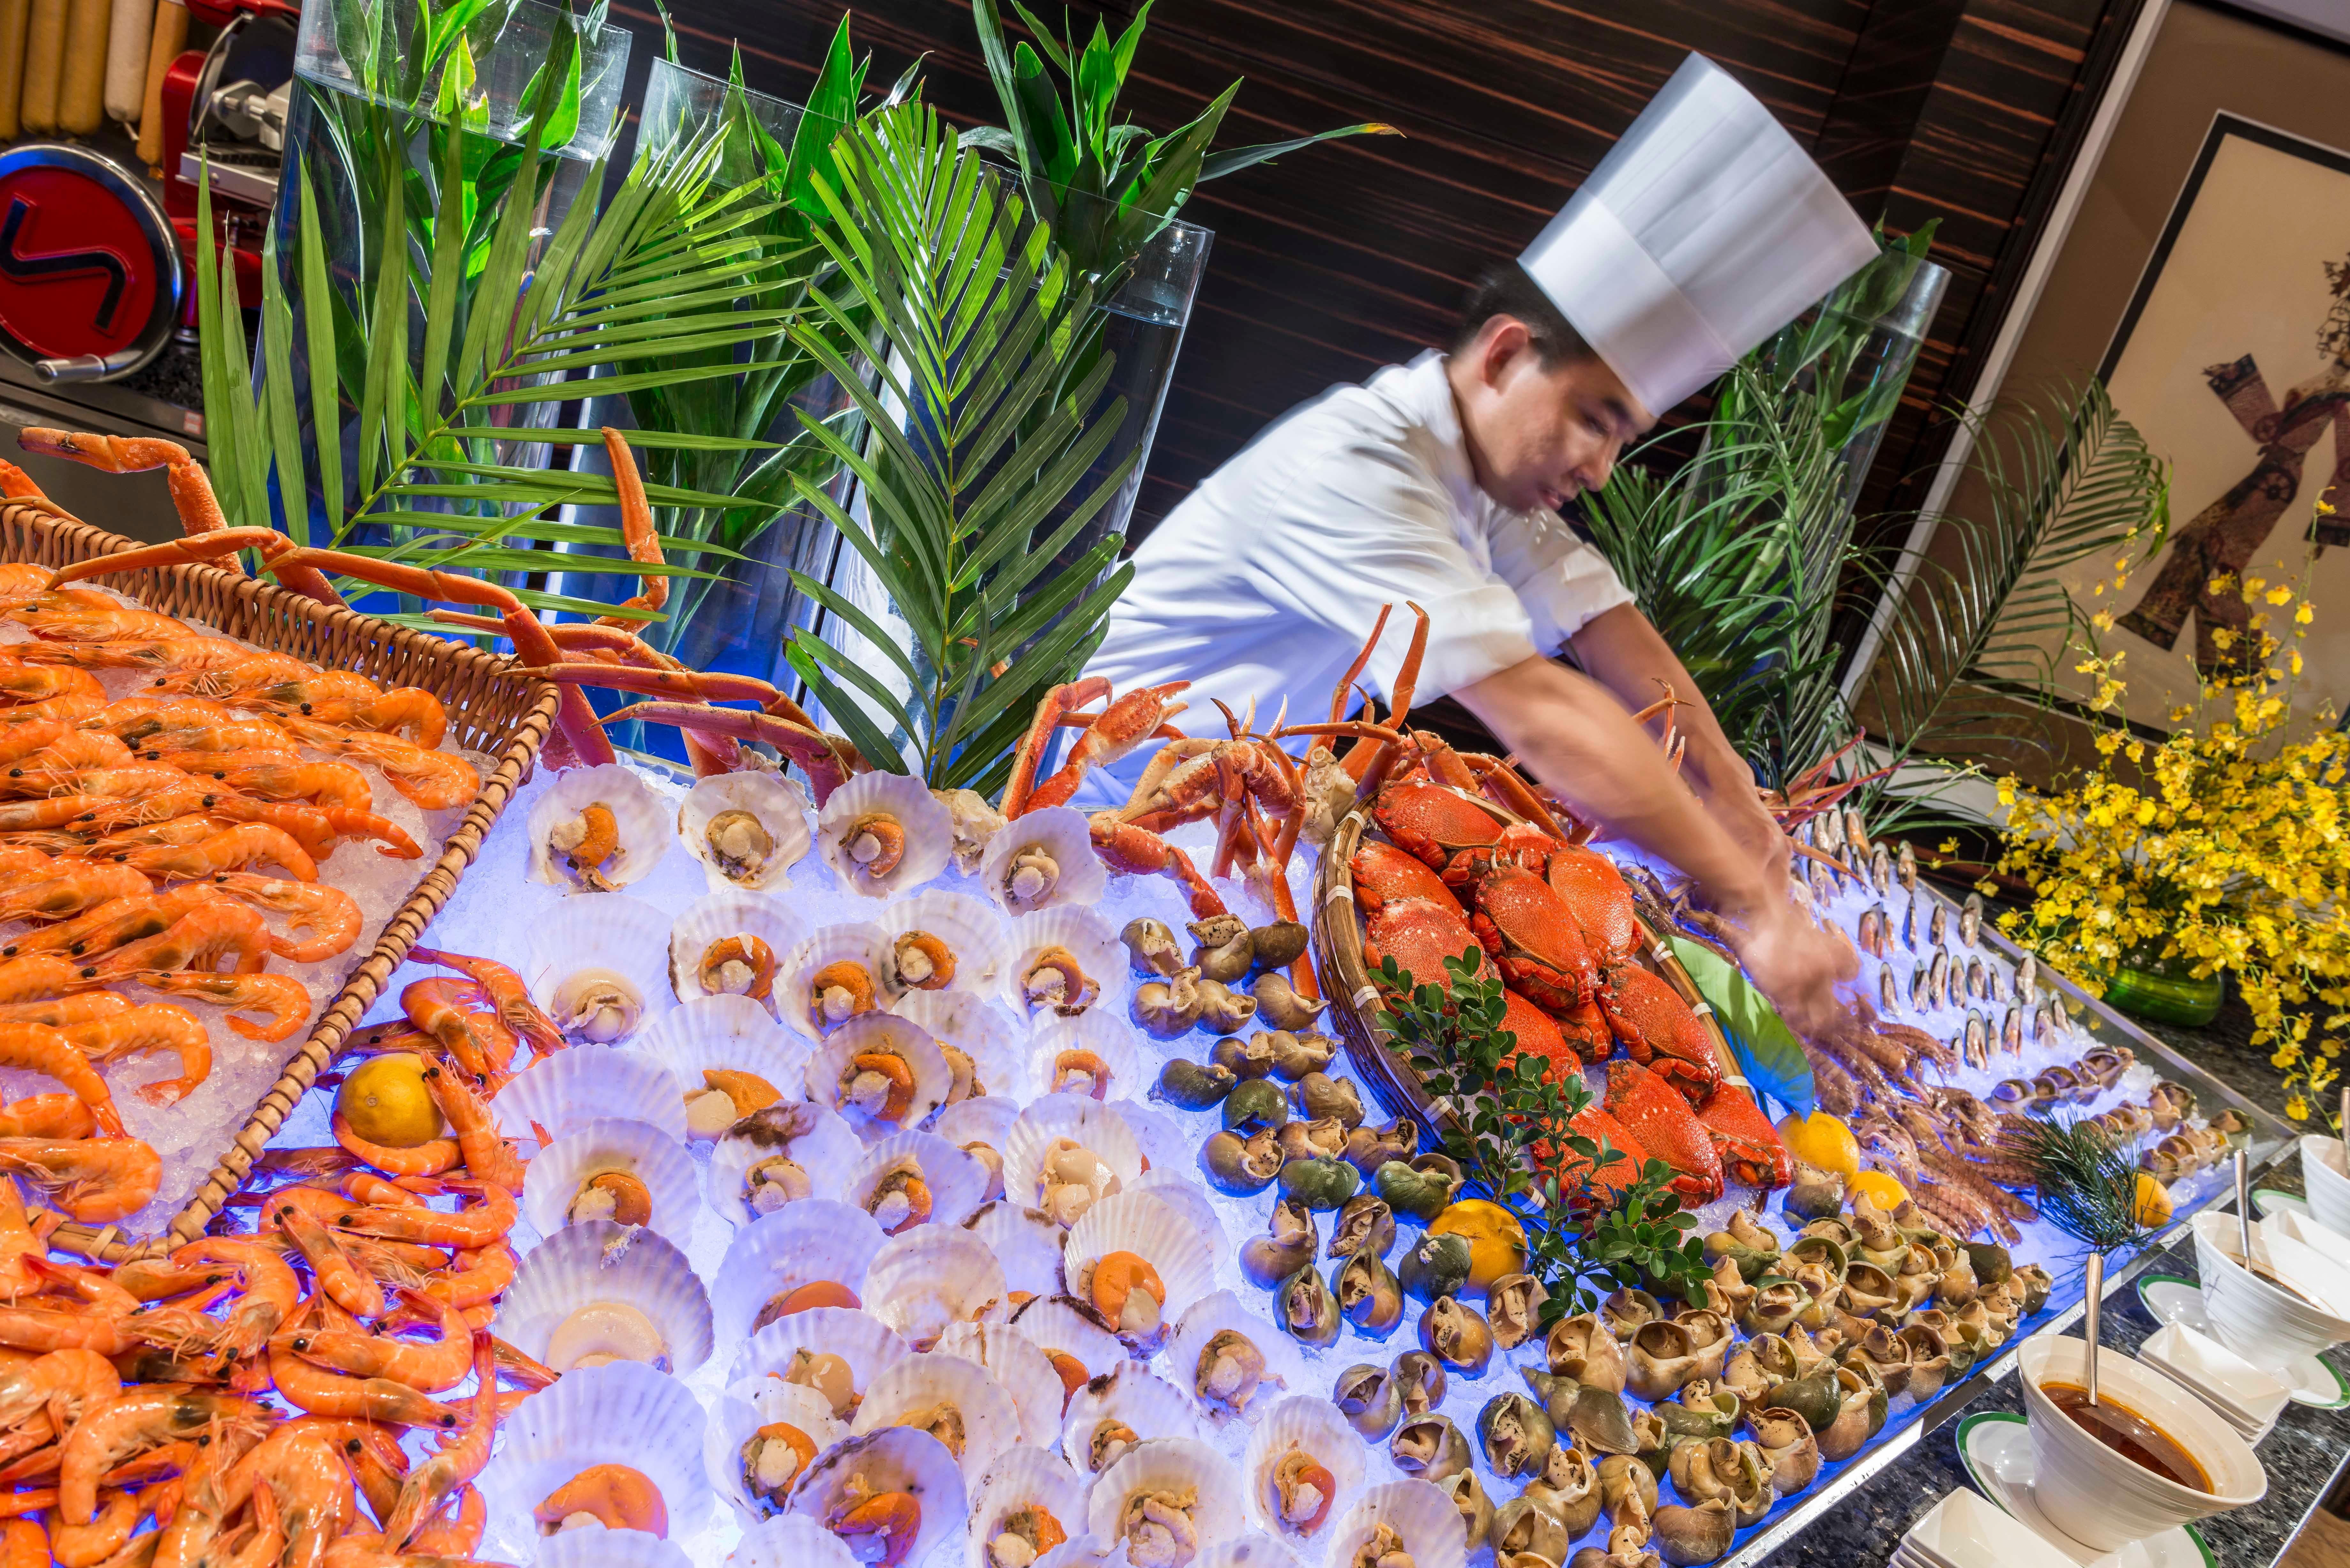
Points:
1704	230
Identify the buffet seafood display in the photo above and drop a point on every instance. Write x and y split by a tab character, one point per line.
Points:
864	1175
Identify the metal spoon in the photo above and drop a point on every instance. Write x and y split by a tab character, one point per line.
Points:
2244	1205
2095	1302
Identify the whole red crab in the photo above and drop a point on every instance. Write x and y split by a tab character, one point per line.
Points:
1588	885
1537	1033
1384	873
1658	1030
1434	823
1529	931
1420	934
1667	1128
1743	1136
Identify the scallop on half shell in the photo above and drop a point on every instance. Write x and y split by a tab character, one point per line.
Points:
911	1179
1030	1495
1020	1364
934	1276
1412	1517
1118	1409
629	1172
622	1413
779	1157
882	834
1138	1262
812	1254
836	1351
566	1091
1092	1055
981	1042
833	974
1231	1360
911	1468
596	829
1042	859
596	966
732	942
881	1074
979	1127
1064	961
599	1292
760	1440
1166	1475
944	941
791	1540
957	1401
1303	1467
725	1058
1066	1154
748	828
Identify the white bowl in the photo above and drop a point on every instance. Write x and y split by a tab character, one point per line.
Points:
2332	1245
2094	1494
2249	1397
1963	1531
2267	1325
2322	1176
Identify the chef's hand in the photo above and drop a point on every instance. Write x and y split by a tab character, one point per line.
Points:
1797	964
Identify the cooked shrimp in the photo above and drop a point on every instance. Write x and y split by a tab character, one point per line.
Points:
483	1224
90	623
200	941
76	749
313	1388
94	1180
86	1545
133	779
474	1278
431	1157
432	779
37	1048
18	1244
247	844
24	1544
58	811
336	784
57	1011
114	923
40	977
131	719
250	732
328	914
156	1026
281	997
505	991
349	1286
32	734
393	844
461	1459
47	1115
430	1366
266	1290
196	1524
142	1419
39	683
488	1157
409	712
365	1187
446	1009
298	1470
454	1532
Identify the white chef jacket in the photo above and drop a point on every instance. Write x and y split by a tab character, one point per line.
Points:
1265	580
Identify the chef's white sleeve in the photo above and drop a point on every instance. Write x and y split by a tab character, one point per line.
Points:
1364	525
1560	582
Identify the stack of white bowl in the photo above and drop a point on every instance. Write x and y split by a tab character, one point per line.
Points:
2326	1177
2249	1398
2095	1495
2268	1326
1963	1531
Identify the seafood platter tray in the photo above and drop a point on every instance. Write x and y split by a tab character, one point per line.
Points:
2050	1050
172	681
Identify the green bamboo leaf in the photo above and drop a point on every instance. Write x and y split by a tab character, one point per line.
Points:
842	708
1769	1057
220	417
278	393
863	624
319	326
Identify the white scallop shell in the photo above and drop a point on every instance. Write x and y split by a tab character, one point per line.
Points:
1167	1148
1066	837
1074	1118
1285	1366
1417	1510
859	1338
879	1034
813	1136
896	1459
957	1181
1065	1325
971	930
1133	1395
931	1277
805	1243
596	1548
1099	1032
928	827
1026	1241
1084	1550
614	1143
1021	1365
1248	1552
1100	956
623	1414
735	1418
566	1091
1154	1229
598	1262
987	1119
1191	1201
1023	1477
1176	1464
775	800
610	934
980	1029
640	816
1310	1424
908	1388
790	1542
715	917
866	945
733	1033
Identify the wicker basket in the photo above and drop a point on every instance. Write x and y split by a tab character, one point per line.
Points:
491	710
1353	999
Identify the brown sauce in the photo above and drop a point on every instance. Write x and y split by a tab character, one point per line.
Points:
2128	1434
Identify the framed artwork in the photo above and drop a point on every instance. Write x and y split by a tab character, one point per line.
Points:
2232	358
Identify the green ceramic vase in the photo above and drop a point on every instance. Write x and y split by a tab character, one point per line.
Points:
2164	991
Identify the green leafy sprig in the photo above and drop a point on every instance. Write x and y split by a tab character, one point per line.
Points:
1512	1132
2088	1184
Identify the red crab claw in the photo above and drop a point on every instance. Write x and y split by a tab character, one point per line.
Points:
1667	1128
637	528
1530	933
1658	1031
1744	1138
1054	705
1587	883
819	755
1138	852
1124	725
1384	873
1419	935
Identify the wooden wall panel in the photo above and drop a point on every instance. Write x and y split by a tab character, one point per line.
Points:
1339	260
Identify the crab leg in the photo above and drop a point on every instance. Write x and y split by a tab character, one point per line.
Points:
818	755
636	527
15	484
191	492
188	549
1378	759
1124	846
1060	700
1362	662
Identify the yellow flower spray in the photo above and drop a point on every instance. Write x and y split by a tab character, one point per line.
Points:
2223	849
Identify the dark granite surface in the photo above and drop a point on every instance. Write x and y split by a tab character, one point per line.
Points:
2304	1455
174	376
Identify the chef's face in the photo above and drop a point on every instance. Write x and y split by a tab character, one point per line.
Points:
1539	434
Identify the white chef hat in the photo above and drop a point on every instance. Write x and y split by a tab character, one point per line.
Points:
1704	230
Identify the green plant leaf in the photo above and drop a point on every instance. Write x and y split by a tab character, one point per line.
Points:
1769	1057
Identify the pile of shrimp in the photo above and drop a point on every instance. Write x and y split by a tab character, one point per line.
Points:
146	840
248	1395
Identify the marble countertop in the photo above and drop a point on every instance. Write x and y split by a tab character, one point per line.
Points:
2304	1455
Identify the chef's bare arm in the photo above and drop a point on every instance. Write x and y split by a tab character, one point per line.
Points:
1619	649
1576	737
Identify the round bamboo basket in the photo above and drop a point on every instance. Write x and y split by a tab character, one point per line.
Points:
1354	998
490	708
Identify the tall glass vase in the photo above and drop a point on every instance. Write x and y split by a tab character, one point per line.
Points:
375	95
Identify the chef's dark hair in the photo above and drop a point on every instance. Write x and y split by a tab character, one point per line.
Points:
1507	290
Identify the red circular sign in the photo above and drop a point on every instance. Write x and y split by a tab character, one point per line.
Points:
77	269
